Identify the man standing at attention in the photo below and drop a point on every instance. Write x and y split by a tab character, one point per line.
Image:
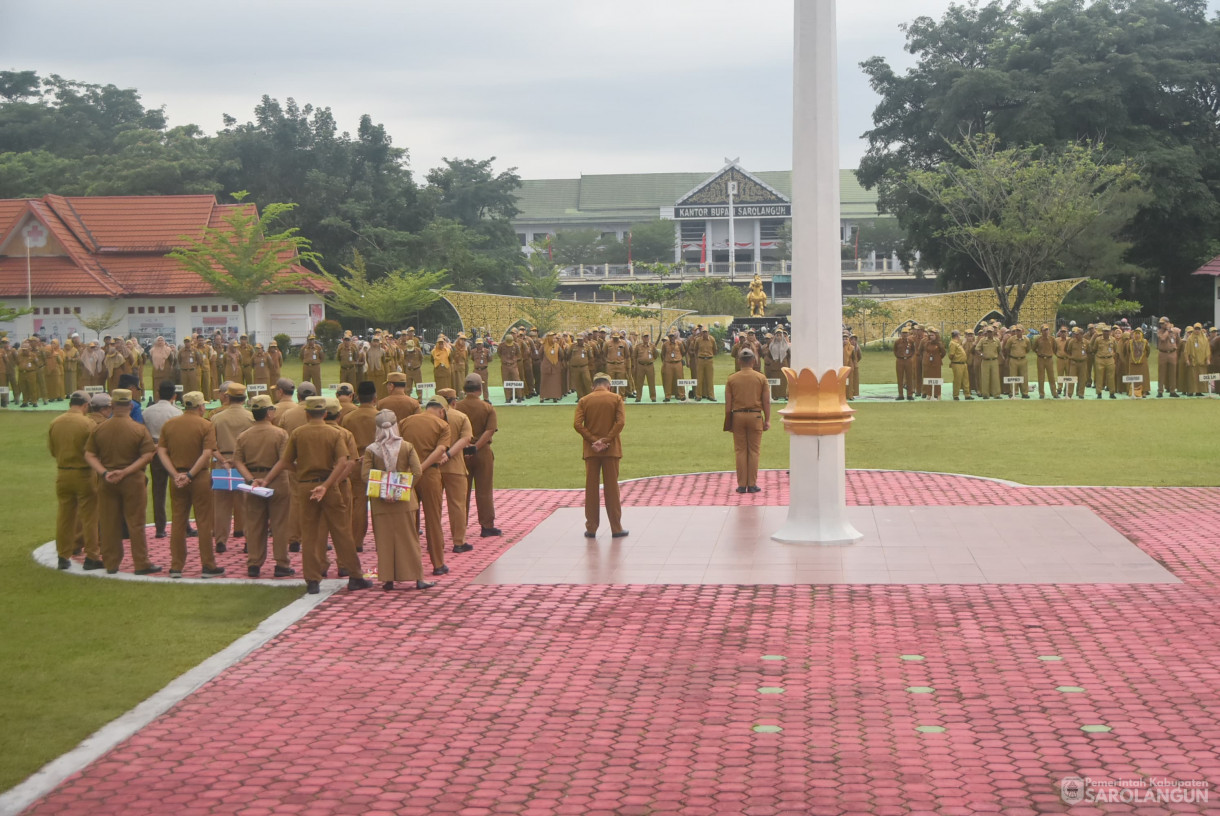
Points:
747	414
230	422
904	364
118	451
703	350
480	461
155	417
311	362
600	417
74	485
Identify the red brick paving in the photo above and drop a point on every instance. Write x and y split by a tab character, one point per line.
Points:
617	700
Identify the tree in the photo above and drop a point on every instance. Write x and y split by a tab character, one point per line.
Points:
653	242
99	322
648	300
387	300
540	283
1142	75
864	308
9	313
576	247
1096	300
241	261
711	296
1015	213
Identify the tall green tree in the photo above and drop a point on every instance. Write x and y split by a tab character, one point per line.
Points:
653	241
386	300
1142	75
243	261
540	283
10	313
1015	213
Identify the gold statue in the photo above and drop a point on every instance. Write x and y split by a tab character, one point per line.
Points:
757	298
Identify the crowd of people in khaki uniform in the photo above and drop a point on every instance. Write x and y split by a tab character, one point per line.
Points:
1098	357
306	460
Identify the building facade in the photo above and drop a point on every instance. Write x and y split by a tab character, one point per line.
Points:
73	259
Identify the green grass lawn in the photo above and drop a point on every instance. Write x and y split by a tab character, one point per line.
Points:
75	652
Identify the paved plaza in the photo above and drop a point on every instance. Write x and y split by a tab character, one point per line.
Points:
694	692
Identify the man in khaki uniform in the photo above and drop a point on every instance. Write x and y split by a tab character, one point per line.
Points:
362	425
1061	358
245	356
989	364
1104	349
617	354
230	421
673	351
747	414
704	351
600	418
1044	348
311	362
645	354
188	366
397	399
412	359
480	461
75	488
454	477
118	451
1016	349
904	364
1076	349
510	357
481	357
258	449
185	449
349	359
429	434
958	366
319	454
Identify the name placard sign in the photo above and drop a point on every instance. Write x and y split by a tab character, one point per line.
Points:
1013	380
257	388
4	392
619	383
773	381
939	381
178	389
98	389
1133	378
334	387
426	386
1067	380
687	383
514	384
1209	378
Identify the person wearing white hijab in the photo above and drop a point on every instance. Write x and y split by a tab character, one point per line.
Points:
394	530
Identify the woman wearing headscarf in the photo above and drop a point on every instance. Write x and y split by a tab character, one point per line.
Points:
54	371
394	530
163	361
776	356
551	387
441	368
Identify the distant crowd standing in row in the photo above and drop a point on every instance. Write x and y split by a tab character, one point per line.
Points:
1097	357
309	460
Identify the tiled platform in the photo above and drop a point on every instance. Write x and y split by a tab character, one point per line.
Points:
660	700
901	545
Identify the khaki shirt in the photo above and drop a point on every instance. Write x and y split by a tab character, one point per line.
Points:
601	415
66	440
119	442
746	390
291	418
185	438
260	447
481	414
362	424
316	448
459	426
426	432
403	405
230	422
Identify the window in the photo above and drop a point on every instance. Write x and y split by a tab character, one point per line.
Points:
76	310
768	228
131	310
521	238
140	310
171	309
55	310
160	310
215	308
692	232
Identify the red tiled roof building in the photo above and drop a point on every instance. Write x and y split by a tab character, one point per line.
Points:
70	257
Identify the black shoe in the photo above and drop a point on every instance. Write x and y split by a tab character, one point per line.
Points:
489	532
64	563
343	573
387	586
425	584
358	583
111	571
667	399
149	570
910	398
1113	397
284	572
360	548
969	398
239	533
90	564
213	572
441	570
221	546
191	532
753	489
620	534
741	489
311	588
1174	394
245	548
590	535
160	533
462	548
1025	396
294	546
253	571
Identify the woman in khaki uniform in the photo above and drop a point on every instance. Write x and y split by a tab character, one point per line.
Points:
394	529
54	372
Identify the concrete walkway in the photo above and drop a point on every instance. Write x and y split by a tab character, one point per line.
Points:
691	698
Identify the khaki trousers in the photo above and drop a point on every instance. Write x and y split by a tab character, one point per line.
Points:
76	496
605	469
1046	372
670	374
961	379
197	494
706	374
480	472
1103	374
1166	372
159	477
268	515
646	373
430	490
582	380
747	443
313	373
1017	367
229	509
318	519
456	500
360	507
117	503
1079	370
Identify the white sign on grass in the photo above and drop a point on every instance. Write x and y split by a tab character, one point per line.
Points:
98	389
937	381
619	383
1013	380
775	381
1067	380
334	387
687	383
178	389
426	387
514	384
1209	378
257	388
1133	378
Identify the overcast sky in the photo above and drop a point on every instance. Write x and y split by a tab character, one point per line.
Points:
555	88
